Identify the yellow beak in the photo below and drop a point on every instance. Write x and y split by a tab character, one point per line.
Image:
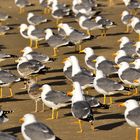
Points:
17	61
69	93
82	51
136	81
116	66
64	60
119	40
21	120
94	61
122	104
114	54
21	51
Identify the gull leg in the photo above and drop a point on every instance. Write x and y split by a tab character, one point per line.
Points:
80	126
20	10
104	99
31	43
57	21
36	44
43	107
137	134
48	10
136	91
36	106
45	11
52	118
88	33
92	127
57	114
111	100
0	92
127	29
80	48
139	37
55	52
11	92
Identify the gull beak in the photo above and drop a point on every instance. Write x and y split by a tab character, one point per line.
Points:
119	40
136	81
16	61
82	51
114	54
69	93
134	45
21	51
132	63
64	60
58	26
94	61
21	120
116	66
40	89
122	104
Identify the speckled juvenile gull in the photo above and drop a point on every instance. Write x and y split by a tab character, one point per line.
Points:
35	19
6	136
3	17
44	5
55	41
127	46
34	92
32	129
54	99
88	25
27	68
4	56
126	20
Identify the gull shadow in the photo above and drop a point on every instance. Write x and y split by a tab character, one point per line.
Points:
55	78
120	3
35	10
13	130
110	126
21	93
10	65
130	97
115	34
68	114
13	25
12	33
110	116
57	83
2	47
72	52
55	70
12	100
100	48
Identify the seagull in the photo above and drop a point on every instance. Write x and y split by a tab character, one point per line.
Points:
137	64
3	115
88	25
137	48
44	4
35	34
22	4
105	24
35	19
43	58
80	108
132	114
67	69
54	99
127	46
34	92
7	79
126	20
129	76
83	78
106	86
3	17
106	66
55	41
4	30
6	136
133	5
23	31
135	23
32	129
89	57
58	12
73	35
121	56
27	67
